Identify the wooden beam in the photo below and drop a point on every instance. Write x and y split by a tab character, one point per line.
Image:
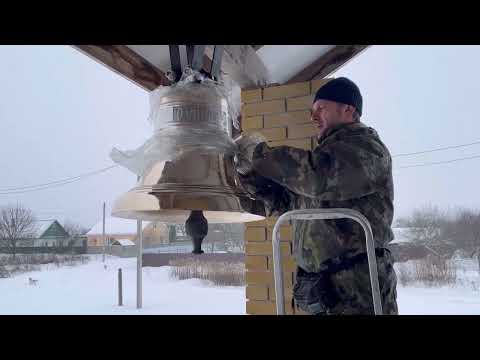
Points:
328	63
127	63
243	65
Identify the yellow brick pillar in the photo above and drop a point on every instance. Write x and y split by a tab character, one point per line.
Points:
282	114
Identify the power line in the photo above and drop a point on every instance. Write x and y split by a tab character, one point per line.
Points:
37	189
52	184
437	149
58	181
441	162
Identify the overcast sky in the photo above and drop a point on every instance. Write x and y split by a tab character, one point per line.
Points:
420	98
61	113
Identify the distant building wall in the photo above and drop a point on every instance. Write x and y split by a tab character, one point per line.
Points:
97	240
123	251
153	234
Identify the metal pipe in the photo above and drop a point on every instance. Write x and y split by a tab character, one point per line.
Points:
324	214
139	262
103	233
120	290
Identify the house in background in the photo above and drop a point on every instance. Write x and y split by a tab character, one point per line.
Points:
50	233
116	229
404	248
123	248
47	233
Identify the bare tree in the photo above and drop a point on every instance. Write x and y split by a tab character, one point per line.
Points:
464	231
74	230
16	223
468	229
424	225
402	222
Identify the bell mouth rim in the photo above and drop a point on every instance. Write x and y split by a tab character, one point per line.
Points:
175	206
179	216
188	189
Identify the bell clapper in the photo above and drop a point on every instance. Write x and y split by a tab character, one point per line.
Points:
196	227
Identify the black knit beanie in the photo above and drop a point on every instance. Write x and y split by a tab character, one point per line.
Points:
341	90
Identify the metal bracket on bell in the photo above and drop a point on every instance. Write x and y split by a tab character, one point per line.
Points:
197	60
175	62
189	54
216	62
195	56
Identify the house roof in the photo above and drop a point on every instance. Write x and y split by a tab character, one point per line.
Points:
41	226
116	226
123	242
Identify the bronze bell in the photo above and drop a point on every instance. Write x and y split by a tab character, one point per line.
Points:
194	181
199	172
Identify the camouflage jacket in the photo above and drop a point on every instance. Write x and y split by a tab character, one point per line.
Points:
349	168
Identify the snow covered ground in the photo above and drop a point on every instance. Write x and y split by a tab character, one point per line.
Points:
461	299
92	289
438	301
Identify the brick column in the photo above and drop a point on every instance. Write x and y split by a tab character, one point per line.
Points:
282	114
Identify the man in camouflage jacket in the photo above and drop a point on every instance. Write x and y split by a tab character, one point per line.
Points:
349	168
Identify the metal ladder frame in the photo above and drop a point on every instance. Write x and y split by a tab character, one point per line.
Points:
324	214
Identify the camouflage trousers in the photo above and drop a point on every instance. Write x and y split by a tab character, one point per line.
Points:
342	286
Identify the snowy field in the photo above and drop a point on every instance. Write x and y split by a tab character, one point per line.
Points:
92	289
461	299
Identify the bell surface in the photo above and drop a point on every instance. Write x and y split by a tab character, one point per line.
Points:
194	181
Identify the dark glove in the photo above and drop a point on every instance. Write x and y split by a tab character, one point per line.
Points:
257	185
314	292
274	196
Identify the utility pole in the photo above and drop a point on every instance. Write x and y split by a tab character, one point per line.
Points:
103	257
120	288
139	261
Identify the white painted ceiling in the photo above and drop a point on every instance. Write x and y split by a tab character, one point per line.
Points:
285	61
282	61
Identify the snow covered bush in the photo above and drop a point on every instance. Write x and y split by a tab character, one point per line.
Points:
221	273
22	263
430	271
4	273
435	271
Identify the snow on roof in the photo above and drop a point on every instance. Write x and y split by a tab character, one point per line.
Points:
400	234
41	226
123	242
116	226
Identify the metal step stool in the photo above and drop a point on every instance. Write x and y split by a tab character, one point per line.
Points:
324	214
